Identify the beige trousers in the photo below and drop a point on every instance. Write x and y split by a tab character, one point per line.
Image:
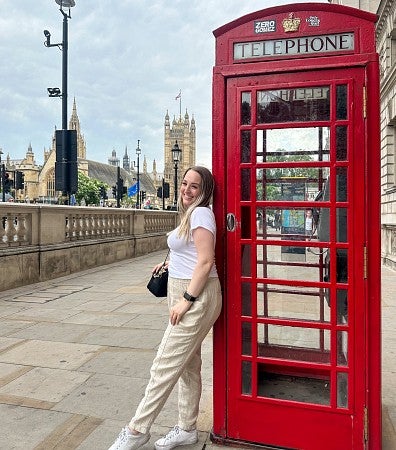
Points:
179	358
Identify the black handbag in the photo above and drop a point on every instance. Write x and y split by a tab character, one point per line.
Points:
158	284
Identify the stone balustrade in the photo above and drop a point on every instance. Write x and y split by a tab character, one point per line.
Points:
40	242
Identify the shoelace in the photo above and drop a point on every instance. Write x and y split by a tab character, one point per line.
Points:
172	433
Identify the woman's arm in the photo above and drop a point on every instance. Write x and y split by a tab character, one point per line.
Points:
204	243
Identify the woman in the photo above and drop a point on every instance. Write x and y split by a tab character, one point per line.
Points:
194	300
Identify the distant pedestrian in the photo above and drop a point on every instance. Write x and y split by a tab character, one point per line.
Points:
194	300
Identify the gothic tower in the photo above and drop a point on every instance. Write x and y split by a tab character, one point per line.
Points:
183	131
125	161
74	124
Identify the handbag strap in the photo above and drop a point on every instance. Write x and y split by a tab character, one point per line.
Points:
166	257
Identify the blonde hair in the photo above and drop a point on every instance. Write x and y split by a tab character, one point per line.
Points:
203	199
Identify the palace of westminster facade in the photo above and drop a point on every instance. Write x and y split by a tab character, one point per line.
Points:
39	180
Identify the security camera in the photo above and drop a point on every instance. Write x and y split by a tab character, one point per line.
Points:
47	42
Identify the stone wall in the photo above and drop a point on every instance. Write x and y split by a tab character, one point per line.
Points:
42	242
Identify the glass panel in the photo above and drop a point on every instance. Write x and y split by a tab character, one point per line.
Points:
342	390
246	230
275	262
291	223
246	108
305	104
341	143
342	185
293	144
341	102
246	377
305	389
292	302
245	261
289	184
245	146
246	338
293	343
342	348
342	306
245	184
246	299
342	225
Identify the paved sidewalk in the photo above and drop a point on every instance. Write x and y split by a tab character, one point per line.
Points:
75	354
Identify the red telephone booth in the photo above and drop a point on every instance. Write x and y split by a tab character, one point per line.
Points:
296	157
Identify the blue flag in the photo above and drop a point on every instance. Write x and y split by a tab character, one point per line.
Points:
132	190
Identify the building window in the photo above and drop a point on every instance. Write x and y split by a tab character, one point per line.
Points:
389	164
51	184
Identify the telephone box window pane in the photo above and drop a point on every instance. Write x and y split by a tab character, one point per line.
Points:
342	348
305	388
342	102
245	184
293	144
245	146
293	343
245	261
341	143
246	108
246	377
246	338
342	390
304	104
283	263
246	299
292	223
342	306
292	302
246	231
342	225
296	184
342	185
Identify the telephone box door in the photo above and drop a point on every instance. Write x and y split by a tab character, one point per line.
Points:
295	164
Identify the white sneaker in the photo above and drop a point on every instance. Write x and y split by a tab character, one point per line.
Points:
128	441
176	437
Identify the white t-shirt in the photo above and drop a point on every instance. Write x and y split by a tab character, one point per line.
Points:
183	254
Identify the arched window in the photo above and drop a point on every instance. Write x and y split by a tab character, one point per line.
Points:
51	183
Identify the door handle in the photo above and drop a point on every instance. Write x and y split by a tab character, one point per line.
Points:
231	222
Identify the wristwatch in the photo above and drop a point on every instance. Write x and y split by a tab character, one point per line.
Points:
189	297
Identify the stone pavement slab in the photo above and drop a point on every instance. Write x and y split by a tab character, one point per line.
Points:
75	354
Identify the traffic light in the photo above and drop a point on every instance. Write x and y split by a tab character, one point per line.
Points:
124	190
103	192
19	179
7	183
114	190
120	187
166	190
143	193
159	192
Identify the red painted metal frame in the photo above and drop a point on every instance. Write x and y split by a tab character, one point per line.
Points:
337	19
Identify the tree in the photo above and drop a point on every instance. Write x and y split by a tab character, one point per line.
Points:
89	189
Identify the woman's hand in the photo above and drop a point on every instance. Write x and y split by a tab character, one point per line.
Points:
158	267
178	310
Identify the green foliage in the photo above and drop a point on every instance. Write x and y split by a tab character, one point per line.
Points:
89	189
273	188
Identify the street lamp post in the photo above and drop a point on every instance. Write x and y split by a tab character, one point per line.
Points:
138	152
66	155
176	153
2	172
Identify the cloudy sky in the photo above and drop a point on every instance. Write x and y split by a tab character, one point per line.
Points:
128	60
